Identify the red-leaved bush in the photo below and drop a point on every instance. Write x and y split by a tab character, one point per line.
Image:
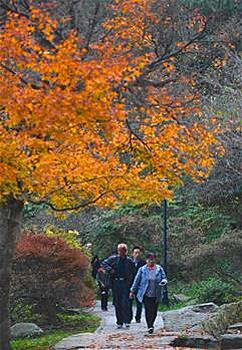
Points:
48	273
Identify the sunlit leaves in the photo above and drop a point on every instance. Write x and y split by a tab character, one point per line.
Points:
71	135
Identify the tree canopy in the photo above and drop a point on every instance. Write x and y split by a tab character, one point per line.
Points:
71	131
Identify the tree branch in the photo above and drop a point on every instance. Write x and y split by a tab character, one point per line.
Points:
137	136
157	62
74	207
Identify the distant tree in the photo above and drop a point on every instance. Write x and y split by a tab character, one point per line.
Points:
224	185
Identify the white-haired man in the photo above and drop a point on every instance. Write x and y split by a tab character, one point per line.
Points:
122	272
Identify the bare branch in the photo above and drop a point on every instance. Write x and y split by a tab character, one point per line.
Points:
165	57
137	136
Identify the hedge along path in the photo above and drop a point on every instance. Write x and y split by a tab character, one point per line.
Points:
107	337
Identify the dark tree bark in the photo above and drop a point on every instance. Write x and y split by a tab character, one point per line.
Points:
10	219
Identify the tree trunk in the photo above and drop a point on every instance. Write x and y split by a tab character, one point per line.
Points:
10	219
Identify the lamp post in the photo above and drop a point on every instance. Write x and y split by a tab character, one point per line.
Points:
165	299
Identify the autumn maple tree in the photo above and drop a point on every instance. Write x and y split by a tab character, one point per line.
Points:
111	122
49	274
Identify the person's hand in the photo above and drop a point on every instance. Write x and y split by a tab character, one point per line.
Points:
112	271
131	295
100	269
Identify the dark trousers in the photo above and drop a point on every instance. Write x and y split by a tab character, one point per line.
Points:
138	310
151	308
104	298
121	302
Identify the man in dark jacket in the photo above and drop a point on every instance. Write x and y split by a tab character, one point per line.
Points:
122	272
138	262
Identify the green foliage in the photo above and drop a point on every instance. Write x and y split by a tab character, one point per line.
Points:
130	224
211	220
75	324
171	307
193	229
213	5
88	323
30	210
212	290
69	236
44	342
22	312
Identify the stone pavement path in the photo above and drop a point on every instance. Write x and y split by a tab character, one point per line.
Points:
107	337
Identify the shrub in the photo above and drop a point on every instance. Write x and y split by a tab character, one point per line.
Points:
71	239
69	236
225	263
212	290
21	312
49	274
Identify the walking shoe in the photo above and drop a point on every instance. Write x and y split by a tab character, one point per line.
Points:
119	326
127	325
151	330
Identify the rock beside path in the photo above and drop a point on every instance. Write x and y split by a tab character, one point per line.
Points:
188	318
207	326
23	330
220	321
196	341
237	327
226	342
231	341
180	298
